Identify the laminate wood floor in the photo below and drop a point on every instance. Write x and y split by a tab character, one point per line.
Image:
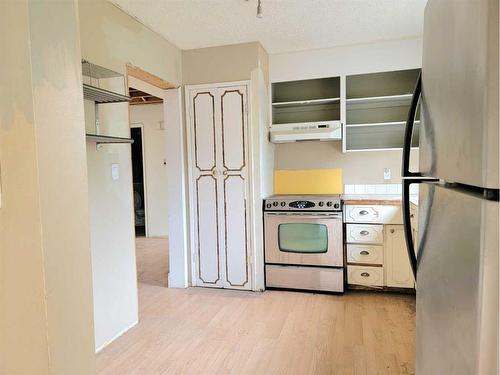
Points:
207	331
151	254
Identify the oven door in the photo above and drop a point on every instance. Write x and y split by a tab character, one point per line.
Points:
304	238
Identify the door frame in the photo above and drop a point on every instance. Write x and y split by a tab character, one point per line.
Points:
140	125
191	186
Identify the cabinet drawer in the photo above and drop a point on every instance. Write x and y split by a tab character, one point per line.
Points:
366	254
365	275
365	233
373	214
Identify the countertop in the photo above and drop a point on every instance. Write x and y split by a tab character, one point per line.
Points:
379	199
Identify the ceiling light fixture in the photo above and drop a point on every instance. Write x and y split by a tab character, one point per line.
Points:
259	9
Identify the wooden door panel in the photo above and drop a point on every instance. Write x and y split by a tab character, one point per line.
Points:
233	124
235	227
204	128
207	237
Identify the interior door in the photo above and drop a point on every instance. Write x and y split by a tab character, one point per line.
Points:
219	173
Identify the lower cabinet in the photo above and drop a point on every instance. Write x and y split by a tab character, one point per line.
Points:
376	253
397	268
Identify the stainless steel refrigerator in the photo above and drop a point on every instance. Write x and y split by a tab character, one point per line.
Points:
457	262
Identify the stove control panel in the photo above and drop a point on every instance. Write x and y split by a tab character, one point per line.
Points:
320	203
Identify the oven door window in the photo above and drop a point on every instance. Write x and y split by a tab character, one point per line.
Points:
303	238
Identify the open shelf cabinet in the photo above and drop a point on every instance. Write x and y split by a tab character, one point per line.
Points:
377	107
98	84
306	101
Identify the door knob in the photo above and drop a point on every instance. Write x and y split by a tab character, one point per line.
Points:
224	172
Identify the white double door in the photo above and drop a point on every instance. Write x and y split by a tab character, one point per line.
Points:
218	135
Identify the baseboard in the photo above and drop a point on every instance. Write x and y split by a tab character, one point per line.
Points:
116	336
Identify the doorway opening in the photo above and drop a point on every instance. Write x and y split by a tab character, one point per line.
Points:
149	184
138	181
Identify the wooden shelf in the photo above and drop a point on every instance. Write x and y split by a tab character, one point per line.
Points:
379	101
306	102
99	139
393	123
100	96
380	136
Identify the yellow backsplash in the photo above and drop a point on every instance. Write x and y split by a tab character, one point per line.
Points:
308	181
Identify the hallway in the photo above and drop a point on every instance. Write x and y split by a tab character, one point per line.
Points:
152	260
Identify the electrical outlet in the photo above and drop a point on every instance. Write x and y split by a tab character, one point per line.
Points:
387	173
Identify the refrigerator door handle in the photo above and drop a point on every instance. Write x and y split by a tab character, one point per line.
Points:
410	248
410	122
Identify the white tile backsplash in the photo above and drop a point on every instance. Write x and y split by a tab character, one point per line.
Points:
392	188
348	189
359	189
378	189
370	189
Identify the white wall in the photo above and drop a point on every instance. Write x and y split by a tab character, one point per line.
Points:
356	59
262	160
150	116
46	323
358	167
178	246
111	38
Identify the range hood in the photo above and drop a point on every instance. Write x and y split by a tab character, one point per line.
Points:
307	131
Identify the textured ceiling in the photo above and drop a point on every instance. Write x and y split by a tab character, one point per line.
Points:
287	25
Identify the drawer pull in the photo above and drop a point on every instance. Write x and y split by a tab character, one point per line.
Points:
364	233
364	252
363	212
412	216
365	274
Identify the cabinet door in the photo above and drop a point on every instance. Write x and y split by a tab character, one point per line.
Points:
205	187
396	262
234	167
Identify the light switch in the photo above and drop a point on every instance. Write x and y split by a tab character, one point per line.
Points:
115	171
387	173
